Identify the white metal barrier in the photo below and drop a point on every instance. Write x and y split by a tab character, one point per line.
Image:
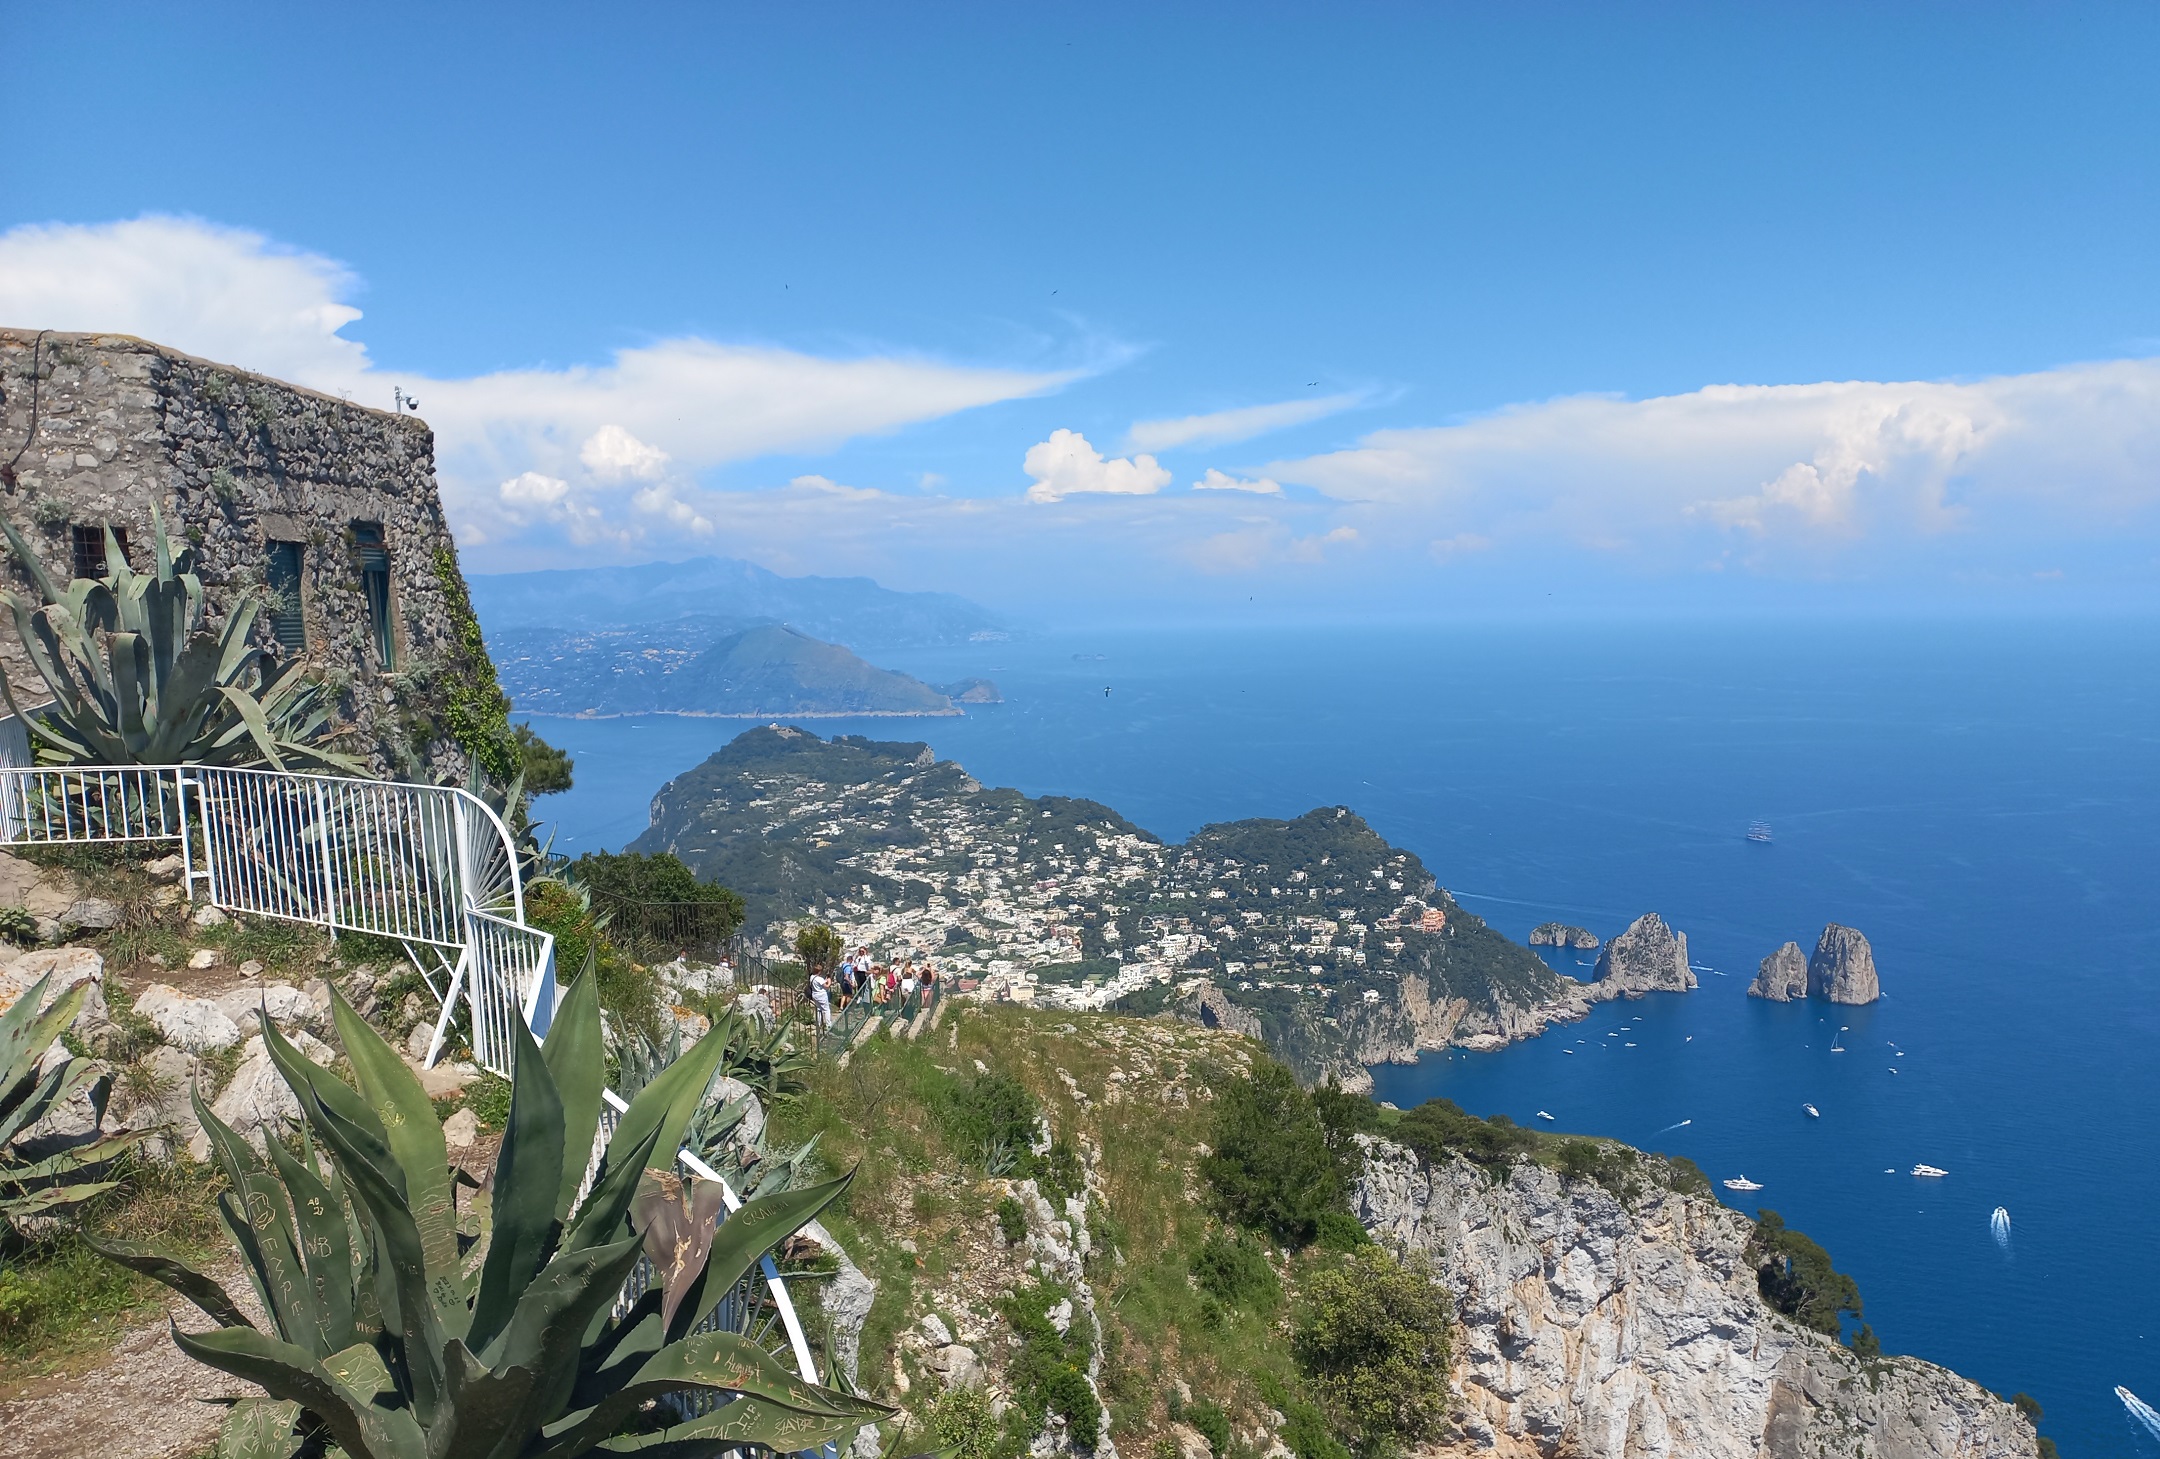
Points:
432	867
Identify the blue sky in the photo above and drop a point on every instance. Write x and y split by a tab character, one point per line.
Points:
1447	295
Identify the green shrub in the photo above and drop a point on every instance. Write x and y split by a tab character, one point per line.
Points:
1795	1277
1049	1372
1058	1171
1012	1221
1305	1432
1231	1268
1270	1168
488	1097
1373	1343
991	1118
963	1425
2028	1406
1213	1424
1439	1128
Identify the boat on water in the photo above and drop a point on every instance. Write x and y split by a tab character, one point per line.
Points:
1999	1224
1543	1116
1759	832
1812	1112
1742	1183
1929	1170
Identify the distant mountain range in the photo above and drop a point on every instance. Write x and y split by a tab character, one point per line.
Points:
697	666
731	595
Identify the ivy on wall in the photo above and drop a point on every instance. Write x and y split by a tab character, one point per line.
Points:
477	714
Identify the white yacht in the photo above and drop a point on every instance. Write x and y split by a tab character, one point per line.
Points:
1543	1116
1742	1183
1929	1170
1812	1112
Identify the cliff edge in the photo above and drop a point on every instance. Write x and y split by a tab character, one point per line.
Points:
1608	1330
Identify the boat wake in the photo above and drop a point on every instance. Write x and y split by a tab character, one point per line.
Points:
1999	1224
2140	1410
1682	1124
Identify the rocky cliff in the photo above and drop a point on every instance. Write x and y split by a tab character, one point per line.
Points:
1783	976
1647	958
1843	967
1562	934
1602	1330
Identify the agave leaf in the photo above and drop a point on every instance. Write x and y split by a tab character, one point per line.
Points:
722	1361
528	1175
416	1140
748	1235
745	1421
655	1119
259	1428
258	724
282	1370
163	1266
676	1232
359	1145
73	1158
490	1411
325	1248
47	588
574	1059
260	1196
52	1199
547	1332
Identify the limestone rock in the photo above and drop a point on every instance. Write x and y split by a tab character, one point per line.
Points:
202	959
461	1130
67	967
958	1364
1597	1330
94	913
257	1097
209	916
934	1328
1647	958
419	1040
194	1024
289	1008
1191	1443
166	870
1843	967
1560	934
155	1096
45	895
1210	1007
755	1006
1783	976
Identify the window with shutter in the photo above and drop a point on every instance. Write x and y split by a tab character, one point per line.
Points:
281	575
373	557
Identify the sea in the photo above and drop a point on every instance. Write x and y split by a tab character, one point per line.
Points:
1980	797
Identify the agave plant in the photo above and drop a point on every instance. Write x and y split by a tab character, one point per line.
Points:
32	1184
388	1341
713	1133
137	678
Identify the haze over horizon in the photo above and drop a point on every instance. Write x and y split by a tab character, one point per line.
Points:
1140	315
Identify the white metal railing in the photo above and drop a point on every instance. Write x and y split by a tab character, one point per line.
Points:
430	866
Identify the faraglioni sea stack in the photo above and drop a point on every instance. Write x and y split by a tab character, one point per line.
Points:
1782	978
1647	958
1843	968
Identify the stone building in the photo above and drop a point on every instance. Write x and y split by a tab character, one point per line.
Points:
327	507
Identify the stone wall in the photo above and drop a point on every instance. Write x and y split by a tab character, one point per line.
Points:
235	461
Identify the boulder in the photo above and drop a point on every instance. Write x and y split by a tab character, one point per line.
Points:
725	1091
756	1007
461	1130
209	916
257	1098
934	1328
67	967
202	959
1783	976
289	1008
94	913
195	1024
1647	958
154	1096
166	870
45	895
958	1364
1843	967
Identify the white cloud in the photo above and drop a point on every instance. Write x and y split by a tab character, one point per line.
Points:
225	293
613	454
1783	470
655	414
1222	427
530	488
1066	465
1222	481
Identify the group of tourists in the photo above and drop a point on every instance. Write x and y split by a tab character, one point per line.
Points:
858	976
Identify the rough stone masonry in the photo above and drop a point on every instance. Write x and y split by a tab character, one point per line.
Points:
329	505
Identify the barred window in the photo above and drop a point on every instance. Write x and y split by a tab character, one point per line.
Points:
89	544
281	575
373	554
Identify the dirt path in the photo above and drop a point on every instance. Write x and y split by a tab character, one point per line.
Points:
144	1399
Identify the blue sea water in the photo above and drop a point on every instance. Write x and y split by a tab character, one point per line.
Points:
1982	799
